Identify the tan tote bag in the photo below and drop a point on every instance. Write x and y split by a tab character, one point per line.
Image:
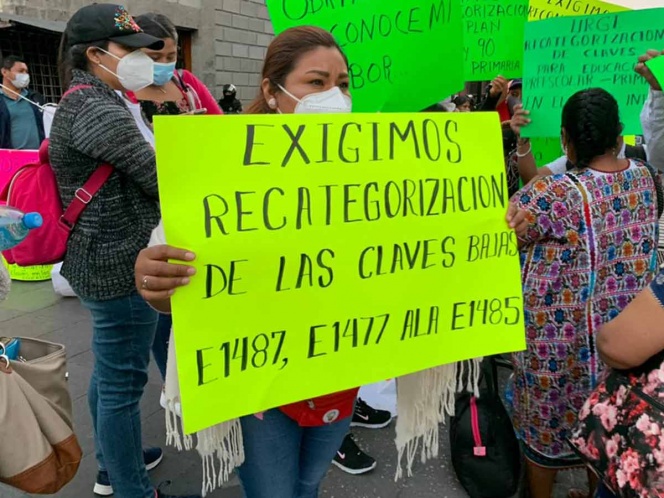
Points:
39	452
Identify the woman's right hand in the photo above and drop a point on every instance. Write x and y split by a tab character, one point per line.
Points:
157	279
519	120
498	87
645	71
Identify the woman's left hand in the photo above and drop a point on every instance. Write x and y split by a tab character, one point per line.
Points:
157	279
516	219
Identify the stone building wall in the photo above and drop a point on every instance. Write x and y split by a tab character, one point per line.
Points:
229	36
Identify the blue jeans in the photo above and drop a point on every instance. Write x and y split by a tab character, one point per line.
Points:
123	331
284	460
160	344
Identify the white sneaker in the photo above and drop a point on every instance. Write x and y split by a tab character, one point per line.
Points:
162	402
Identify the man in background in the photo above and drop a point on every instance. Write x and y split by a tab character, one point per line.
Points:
21	123
230	104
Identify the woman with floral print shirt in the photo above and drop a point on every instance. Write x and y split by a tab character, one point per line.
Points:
633	344
589	248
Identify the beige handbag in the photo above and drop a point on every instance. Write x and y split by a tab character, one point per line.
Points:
39	452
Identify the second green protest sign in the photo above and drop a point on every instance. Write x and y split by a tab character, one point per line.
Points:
404	56
568	54
493	44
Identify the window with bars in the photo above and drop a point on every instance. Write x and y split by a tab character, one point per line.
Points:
39	48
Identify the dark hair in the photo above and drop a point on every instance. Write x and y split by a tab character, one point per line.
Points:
72	57
157	25
591	120
9	61
284	53
460	100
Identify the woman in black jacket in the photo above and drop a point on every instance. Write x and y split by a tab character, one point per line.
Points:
101	54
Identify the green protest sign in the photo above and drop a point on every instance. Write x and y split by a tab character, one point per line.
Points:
656	65
493	43
546	150
568	54
404	56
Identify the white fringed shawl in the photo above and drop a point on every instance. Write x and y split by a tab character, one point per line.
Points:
424	401
220	447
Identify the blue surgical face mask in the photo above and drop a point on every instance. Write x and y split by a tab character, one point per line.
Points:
163	73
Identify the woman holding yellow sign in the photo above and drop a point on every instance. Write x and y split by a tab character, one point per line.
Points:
287	451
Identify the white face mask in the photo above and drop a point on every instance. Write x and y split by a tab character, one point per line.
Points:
22	80
135	70
332	101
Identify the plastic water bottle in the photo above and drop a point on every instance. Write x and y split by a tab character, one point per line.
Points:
15	226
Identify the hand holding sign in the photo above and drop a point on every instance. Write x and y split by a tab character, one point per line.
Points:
651	67
568	54
498	86
519	120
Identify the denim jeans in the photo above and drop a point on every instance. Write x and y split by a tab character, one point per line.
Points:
123	331
160	344
284	460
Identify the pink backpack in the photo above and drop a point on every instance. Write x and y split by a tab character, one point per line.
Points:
33	188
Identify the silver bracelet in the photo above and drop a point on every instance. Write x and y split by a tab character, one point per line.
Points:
530	149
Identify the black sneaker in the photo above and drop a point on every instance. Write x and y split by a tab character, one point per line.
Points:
151	456
370	418
351	459
160	494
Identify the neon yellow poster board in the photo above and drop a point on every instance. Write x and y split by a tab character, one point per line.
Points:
390	47
568	54
545	9
326	242
493	41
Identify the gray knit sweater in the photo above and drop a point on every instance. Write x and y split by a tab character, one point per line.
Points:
93	126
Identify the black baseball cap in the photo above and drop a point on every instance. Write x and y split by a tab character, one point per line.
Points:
106	21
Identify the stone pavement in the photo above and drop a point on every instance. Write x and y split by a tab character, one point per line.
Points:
34	310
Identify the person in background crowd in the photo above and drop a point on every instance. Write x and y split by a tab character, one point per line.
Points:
514	96
99	55
21	124
172	93
495	98
229	103
589	248
634	342
652	117
304	69
463	103
652	122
